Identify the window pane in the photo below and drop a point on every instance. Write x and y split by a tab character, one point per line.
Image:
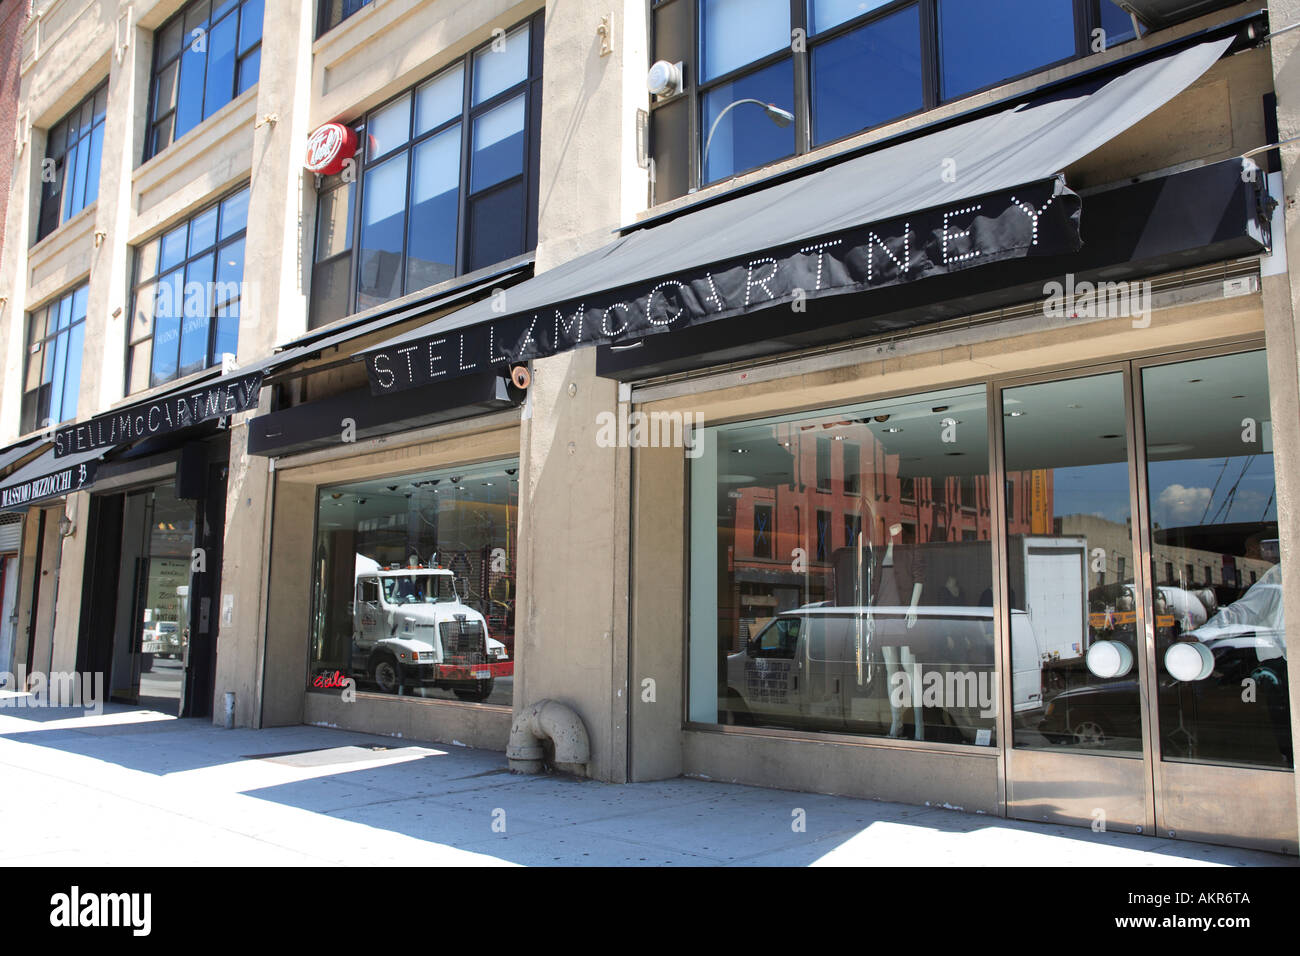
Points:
431	249
1065	449
746	137
893	591
498	145
93	164
249	67
72	373
329	290
1213	506
65	312
824	14
250	25
79	299
59	347
221	66
138	367
1117	24
234	214
142	318
73	159
736	32
164	94
334	221
382	226
221	7
461	613
230	273
390	127
203	231
173	246
867	77
198	310
439	100
167	327
164	133
227	336
169	40
196	18
981	44
146	260
496	70
189	101
496	226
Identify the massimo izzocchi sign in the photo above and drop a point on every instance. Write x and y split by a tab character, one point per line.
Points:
60	483
214	399
1040	218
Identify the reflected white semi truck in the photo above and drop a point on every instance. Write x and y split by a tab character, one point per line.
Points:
411	629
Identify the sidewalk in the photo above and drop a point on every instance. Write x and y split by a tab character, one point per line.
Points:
135	788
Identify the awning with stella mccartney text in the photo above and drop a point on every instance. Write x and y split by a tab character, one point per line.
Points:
963	197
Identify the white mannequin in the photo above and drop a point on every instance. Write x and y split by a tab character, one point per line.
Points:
900	657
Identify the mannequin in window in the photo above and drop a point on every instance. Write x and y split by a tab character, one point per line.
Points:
901	574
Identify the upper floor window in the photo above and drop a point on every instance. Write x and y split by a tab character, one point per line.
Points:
204	56
445	181
70	173
333	12
187	293
54	339
768	79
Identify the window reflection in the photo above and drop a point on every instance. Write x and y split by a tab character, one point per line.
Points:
414	581
1220	634
823	599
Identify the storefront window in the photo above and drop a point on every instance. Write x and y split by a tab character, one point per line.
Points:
414	584
823	599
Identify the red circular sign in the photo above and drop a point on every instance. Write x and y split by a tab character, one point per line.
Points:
329	148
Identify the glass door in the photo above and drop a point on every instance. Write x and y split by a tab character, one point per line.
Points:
1223	748
1076	718
1141	588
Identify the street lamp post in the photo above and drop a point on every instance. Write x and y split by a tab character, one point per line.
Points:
780	117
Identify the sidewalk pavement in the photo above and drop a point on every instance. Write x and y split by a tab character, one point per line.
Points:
132	787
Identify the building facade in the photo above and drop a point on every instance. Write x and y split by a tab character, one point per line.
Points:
894	399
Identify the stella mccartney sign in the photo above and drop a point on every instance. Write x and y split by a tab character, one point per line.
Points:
166	413
1041	218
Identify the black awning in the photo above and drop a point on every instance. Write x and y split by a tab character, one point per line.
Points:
47	477
357	415
435	303
168	412
943	203
15	453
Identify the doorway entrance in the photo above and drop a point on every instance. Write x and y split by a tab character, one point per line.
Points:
1140	545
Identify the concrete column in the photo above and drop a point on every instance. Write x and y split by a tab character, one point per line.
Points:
572	637
1281	295
273	310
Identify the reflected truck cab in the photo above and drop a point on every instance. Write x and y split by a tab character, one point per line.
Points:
877	670
411	629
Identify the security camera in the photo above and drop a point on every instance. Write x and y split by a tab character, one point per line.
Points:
664	78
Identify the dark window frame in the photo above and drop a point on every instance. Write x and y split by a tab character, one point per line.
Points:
161	63
1087	18
137	285
54	197
767	534
531	89
34	413
324	18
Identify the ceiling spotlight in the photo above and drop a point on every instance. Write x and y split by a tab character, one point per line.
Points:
882	418
1014	414
939	408
893	430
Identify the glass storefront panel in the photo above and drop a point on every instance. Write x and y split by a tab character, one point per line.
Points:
841	571
1075	670
414	584
1215	563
